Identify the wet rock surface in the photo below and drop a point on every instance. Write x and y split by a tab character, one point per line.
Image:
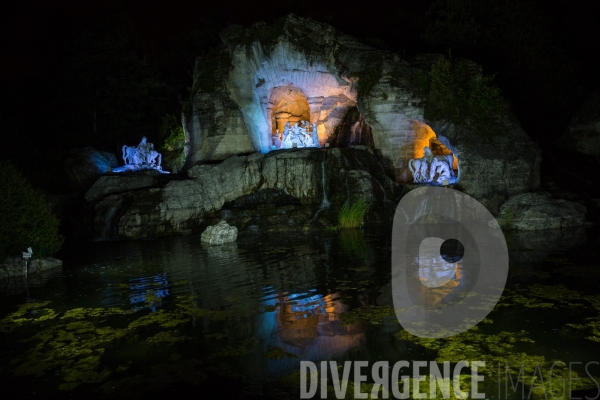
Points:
538	210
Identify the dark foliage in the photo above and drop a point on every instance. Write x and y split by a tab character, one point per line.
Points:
25	220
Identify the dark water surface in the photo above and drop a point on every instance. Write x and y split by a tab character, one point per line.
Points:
176	316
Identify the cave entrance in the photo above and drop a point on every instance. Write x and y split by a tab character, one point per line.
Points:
414	162
289	108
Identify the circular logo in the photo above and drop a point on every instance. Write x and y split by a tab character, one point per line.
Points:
449	262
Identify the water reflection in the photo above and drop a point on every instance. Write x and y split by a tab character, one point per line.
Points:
148	290
285	291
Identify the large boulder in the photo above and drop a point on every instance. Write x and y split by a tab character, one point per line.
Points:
86	165
220	233
583	132
538	210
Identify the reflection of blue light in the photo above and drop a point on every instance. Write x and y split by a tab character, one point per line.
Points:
157	285
309	305
269	296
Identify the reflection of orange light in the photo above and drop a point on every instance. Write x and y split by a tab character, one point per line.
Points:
437	294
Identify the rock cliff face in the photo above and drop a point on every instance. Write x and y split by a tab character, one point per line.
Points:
278	191
325	75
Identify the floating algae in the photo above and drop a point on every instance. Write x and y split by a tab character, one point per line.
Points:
70	349
371	314
26	313
167	338
278	353
501	350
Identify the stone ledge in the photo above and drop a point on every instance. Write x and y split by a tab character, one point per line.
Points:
15	266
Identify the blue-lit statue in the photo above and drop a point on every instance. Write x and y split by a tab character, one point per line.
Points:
142	157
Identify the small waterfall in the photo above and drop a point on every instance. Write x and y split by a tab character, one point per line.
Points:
380	187
109	232
325	202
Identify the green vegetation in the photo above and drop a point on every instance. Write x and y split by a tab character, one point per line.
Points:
278	353
352	242
72	347
25	220
369	77
351	215
371	314
173	140
456	91
172	133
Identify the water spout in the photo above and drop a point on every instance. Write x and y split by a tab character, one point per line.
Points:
108	231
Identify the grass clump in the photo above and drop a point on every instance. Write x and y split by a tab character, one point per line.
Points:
351	215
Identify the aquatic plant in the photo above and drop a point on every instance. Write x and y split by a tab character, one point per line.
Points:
28	312
503	350
278	353
352	242
351	215
371	314
71	347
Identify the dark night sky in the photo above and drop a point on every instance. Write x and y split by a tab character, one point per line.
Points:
33	31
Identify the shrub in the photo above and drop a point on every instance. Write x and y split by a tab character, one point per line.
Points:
172	133
25	220
351	215
457	92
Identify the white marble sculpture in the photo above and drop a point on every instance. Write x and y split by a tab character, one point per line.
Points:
301	135
142	157
432	169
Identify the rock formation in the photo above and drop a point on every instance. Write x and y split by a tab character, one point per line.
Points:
294	182
347	93
326	74
88	164
535	211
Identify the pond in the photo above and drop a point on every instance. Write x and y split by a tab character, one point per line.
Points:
174	316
